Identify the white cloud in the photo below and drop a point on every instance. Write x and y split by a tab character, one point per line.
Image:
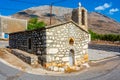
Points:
113	10
103	7
106	5
99	8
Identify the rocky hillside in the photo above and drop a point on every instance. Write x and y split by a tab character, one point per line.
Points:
97	22
102	24
59	14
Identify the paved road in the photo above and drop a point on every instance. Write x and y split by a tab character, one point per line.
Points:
105	47
107	70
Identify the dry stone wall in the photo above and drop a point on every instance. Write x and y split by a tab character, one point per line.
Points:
28	58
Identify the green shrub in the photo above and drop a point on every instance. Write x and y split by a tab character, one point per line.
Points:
35	24
107	37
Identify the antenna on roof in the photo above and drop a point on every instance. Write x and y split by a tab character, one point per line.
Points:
51	13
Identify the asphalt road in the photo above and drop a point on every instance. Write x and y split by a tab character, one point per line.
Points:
107	70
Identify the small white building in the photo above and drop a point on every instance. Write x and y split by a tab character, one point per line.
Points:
9	25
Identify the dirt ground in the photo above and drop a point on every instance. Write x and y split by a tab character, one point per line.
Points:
11	59
17	63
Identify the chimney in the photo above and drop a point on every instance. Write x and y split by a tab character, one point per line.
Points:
79	16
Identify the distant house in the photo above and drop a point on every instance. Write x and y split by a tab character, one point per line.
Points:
59	45
10	25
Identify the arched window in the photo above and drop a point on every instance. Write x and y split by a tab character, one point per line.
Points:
71	41
83	17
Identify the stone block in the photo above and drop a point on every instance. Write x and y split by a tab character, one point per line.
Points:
61	70
57	45
57	58
56	69
77	68
51	68
49	33
85	46
49	41
86	58
61	55
52	50
65	59
49	58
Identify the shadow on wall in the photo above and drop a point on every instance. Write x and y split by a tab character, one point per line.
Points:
105	47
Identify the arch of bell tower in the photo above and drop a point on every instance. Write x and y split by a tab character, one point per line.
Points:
80	17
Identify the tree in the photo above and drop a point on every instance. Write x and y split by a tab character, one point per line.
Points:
35	24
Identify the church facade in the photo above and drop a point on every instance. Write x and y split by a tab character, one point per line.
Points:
57	46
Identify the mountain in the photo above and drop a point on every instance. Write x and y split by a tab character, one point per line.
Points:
96	22
59	14
102	24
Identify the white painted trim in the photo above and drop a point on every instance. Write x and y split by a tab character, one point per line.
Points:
2	35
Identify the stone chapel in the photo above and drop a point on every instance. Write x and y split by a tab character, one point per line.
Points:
57	46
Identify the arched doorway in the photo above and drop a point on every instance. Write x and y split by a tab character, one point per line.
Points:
71	57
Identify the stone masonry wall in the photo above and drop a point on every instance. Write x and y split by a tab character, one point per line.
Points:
58	47
28	58
38	42
52	45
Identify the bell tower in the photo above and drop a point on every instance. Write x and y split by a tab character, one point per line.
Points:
80	17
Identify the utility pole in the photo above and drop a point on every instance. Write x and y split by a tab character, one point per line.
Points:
51	7
50	13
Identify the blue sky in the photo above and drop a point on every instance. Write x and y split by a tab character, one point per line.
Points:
109	8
